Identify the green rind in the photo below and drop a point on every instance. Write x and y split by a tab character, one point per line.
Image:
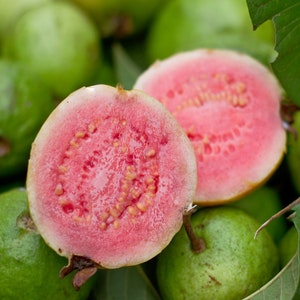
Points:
232	265
28	267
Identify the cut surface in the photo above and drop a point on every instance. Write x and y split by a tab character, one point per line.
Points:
229	106
109	176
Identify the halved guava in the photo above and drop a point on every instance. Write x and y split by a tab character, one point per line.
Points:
229	106
110	175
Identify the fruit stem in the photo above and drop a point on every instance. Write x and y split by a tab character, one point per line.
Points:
197	243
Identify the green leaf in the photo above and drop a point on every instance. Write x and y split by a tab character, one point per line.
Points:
128	283
285	15
126	69
285	285
263	10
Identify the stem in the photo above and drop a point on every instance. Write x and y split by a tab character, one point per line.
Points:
197	243
277	215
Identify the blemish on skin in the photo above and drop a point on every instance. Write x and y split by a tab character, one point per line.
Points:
214	280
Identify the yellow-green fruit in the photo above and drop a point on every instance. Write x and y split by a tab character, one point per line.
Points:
58	42
24	105
11	11
262	204
232	265
189	24
29	269
288	246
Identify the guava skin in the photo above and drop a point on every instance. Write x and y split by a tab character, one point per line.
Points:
28	267
58	42
232	265
11	11
263	203
183	25
232	120
109	176
21	93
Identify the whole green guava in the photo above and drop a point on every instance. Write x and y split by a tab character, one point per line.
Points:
232	265
24	106
183	25
262	204
29	269
58	42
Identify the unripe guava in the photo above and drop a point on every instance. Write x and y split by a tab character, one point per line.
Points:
11	11
232	265
109	177
185	25
58	42
229	106
25	103
262	204
28	267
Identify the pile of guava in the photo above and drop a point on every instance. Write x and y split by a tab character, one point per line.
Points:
147	150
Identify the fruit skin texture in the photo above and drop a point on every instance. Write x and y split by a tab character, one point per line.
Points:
28	267
262	204
183	25
58	42
232	266
11	11
229	106
109	176
24	106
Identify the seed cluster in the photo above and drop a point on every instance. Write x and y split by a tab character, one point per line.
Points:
137	180
217	87
211	88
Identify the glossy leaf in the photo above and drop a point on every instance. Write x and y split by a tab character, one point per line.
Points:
126	69
285	15
284	286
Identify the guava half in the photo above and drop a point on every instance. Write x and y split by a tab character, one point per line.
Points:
229	106
110	175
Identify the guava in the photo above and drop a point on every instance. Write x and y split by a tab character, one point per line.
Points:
229	106
110	174
262	204
121	18
58	42
288	245
293	153
25	104
29	268
183	25
232	265
10	11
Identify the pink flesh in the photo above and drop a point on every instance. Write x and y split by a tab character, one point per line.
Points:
109	177
228	104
